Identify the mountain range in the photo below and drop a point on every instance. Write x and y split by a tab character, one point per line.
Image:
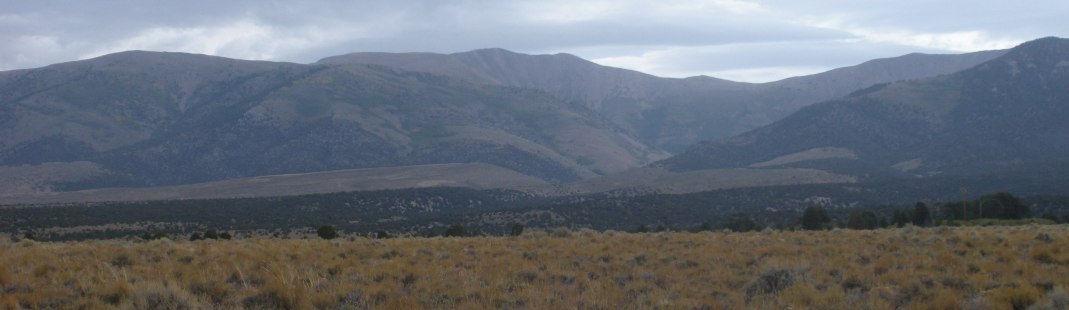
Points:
1002	117
139	119
169	118
666	113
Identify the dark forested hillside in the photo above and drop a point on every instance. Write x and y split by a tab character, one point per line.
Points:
431	211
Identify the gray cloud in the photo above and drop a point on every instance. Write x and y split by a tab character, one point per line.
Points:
738	39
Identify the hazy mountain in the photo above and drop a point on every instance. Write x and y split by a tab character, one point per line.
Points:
666	113
1005	116
168	118
148	118
843	81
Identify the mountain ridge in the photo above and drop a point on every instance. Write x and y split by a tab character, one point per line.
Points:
155	118
161	117
1000	116
665	113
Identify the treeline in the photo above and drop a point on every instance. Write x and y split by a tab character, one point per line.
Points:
469	212
995	207
990	209
391	210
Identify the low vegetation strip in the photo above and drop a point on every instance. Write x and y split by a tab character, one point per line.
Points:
938	268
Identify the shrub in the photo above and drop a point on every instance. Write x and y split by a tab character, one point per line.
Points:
1006	205
9	302
861	220
1043	254
741	224
327	232
900	218
815	218
6	278
1055	299
116	292
770	282
456	231
270	299
155	236
122	260
921	215
516	229
159	296
1017	298
561	232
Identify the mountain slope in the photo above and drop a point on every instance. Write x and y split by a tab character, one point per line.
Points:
1002	116
171	118
843	81
665	113
151	119
475	175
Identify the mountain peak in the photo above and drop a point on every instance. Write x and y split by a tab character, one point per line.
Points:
1045	40
490	50
497	52
1005	113
1042	49
142	54
1043	58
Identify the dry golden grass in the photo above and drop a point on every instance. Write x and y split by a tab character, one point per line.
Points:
940	268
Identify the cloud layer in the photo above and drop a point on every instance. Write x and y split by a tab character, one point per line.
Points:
734	39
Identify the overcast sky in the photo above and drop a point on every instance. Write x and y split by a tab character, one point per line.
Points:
740	40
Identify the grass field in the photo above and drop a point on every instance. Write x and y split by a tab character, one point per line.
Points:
908	268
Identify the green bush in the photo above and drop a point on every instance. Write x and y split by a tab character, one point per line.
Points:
815	218
327	232
456	231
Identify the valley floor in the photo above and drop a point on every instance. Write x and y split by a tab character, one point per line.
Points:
936	268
